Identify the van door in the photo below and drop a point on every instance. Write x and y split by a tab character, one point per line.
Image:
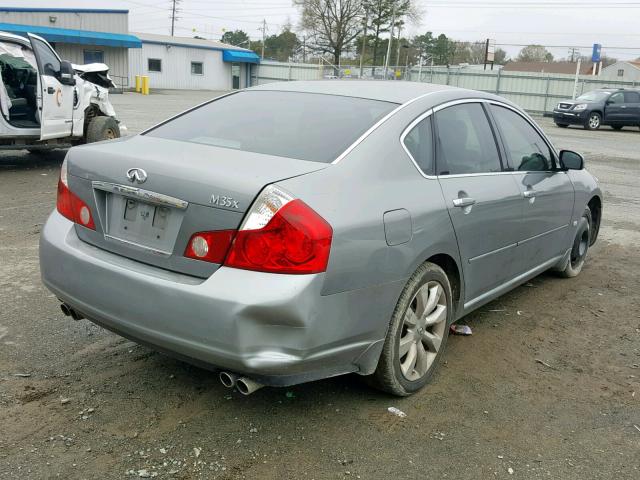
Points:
55	101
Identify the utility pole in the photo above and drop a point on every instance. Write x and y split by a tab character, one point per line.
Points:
398	54
386	60
173	15
264	35
304	49
364	40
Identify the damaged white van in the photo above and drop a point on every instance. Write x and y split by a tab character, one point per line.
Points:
50	103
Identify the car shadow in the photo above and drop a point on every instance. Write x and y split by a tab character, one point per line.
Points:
23	160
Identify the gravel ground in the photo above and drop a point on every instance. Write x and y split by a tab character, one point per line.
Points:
548	386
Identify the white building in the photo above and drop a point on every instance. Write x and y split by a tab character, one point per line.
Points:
623	71
79	35
190	63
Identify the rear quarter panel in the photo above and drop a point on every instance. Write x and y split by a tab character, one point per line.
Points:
353	195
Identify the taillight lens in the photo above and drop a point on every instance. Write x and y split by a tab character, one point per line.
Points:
70	205
281	235
209	246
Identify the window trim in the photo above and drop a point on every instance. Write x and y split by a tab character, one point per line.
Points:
496	132
201	66
154	71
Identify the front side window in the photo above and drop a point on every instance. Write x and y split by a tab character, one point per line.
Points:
527	149
617	98
419	142
197	68
47	59
465	141
154	64
305	126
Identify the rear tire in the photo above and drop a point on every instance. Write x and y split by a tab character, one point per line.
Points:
102	128
562	125
417	334
580	246
594	122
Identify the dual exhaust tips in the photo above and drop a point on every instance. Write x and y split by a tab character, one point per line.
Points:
245	385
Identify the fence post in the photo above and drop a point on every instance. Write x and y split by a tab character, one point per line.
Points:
289	73
498	82
448	74
546	95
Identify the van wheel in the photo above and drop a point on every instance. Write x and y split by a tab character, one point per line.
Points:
102	128
580	246
417	334
593	122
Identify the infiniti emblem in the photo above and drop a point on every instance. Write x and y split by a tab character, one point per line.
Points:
137	175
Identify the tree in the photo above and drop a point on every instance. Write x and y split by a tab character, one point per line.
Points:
237	38
380	14
333	25
500	57
443	50
535	53
283	46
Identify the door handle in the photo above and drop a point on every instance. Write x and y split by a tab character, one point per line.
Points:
463	202
623	106
51	90
529	194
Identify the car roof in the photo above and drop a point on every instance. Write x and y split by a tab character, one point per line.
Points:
382	90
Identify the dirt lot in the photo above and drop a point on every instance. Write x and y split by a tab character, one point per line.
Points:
79	402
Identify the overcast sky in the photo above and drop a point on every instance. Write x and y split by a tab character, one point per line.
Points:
563	23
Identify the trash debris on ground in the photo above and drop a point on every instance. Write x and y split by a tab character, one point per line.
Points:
519	312
438	435
510	470
542	362
461	329
64	401
22	375
397	412
636	427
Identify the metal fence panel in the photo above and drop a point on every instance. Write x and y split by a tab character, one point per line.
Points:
535	92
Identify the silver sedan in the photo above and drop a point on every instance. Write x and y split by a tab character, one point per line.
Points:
297	231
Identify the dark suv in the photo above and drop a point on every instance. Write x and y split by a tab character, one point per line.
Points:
607	106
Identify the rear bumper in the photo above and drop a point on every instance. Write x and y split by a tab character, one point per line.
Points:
570	118
279	329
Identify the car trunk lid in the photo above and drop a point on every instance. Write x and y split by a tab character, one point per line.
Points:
150	195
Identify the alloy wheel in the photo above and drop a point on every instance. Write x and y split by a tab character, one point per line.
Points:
594	121
423	329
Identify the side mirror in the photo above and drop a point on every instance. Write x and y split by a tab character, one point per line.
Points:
67	75
571	160
608	102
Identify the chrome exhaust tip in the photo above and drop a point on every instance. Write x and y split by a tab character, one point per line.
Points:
227	379
246	386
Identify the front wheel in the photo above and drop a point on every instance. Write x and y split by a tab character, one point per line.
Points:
417	334
102	128
580	247
593	122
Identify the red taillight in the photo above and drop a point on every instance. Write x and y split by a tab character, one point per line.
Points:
296	240
70	205
209	246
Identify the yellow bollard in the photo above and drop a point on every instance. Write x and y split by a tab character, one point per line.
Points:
145	85
138	84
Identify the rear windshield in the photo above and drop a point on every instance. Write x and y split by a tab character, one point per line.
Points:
306	126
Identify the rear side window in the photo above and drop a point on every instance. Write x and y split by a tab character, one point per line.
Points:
631	97
306	126
419	143
465	141
527	149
